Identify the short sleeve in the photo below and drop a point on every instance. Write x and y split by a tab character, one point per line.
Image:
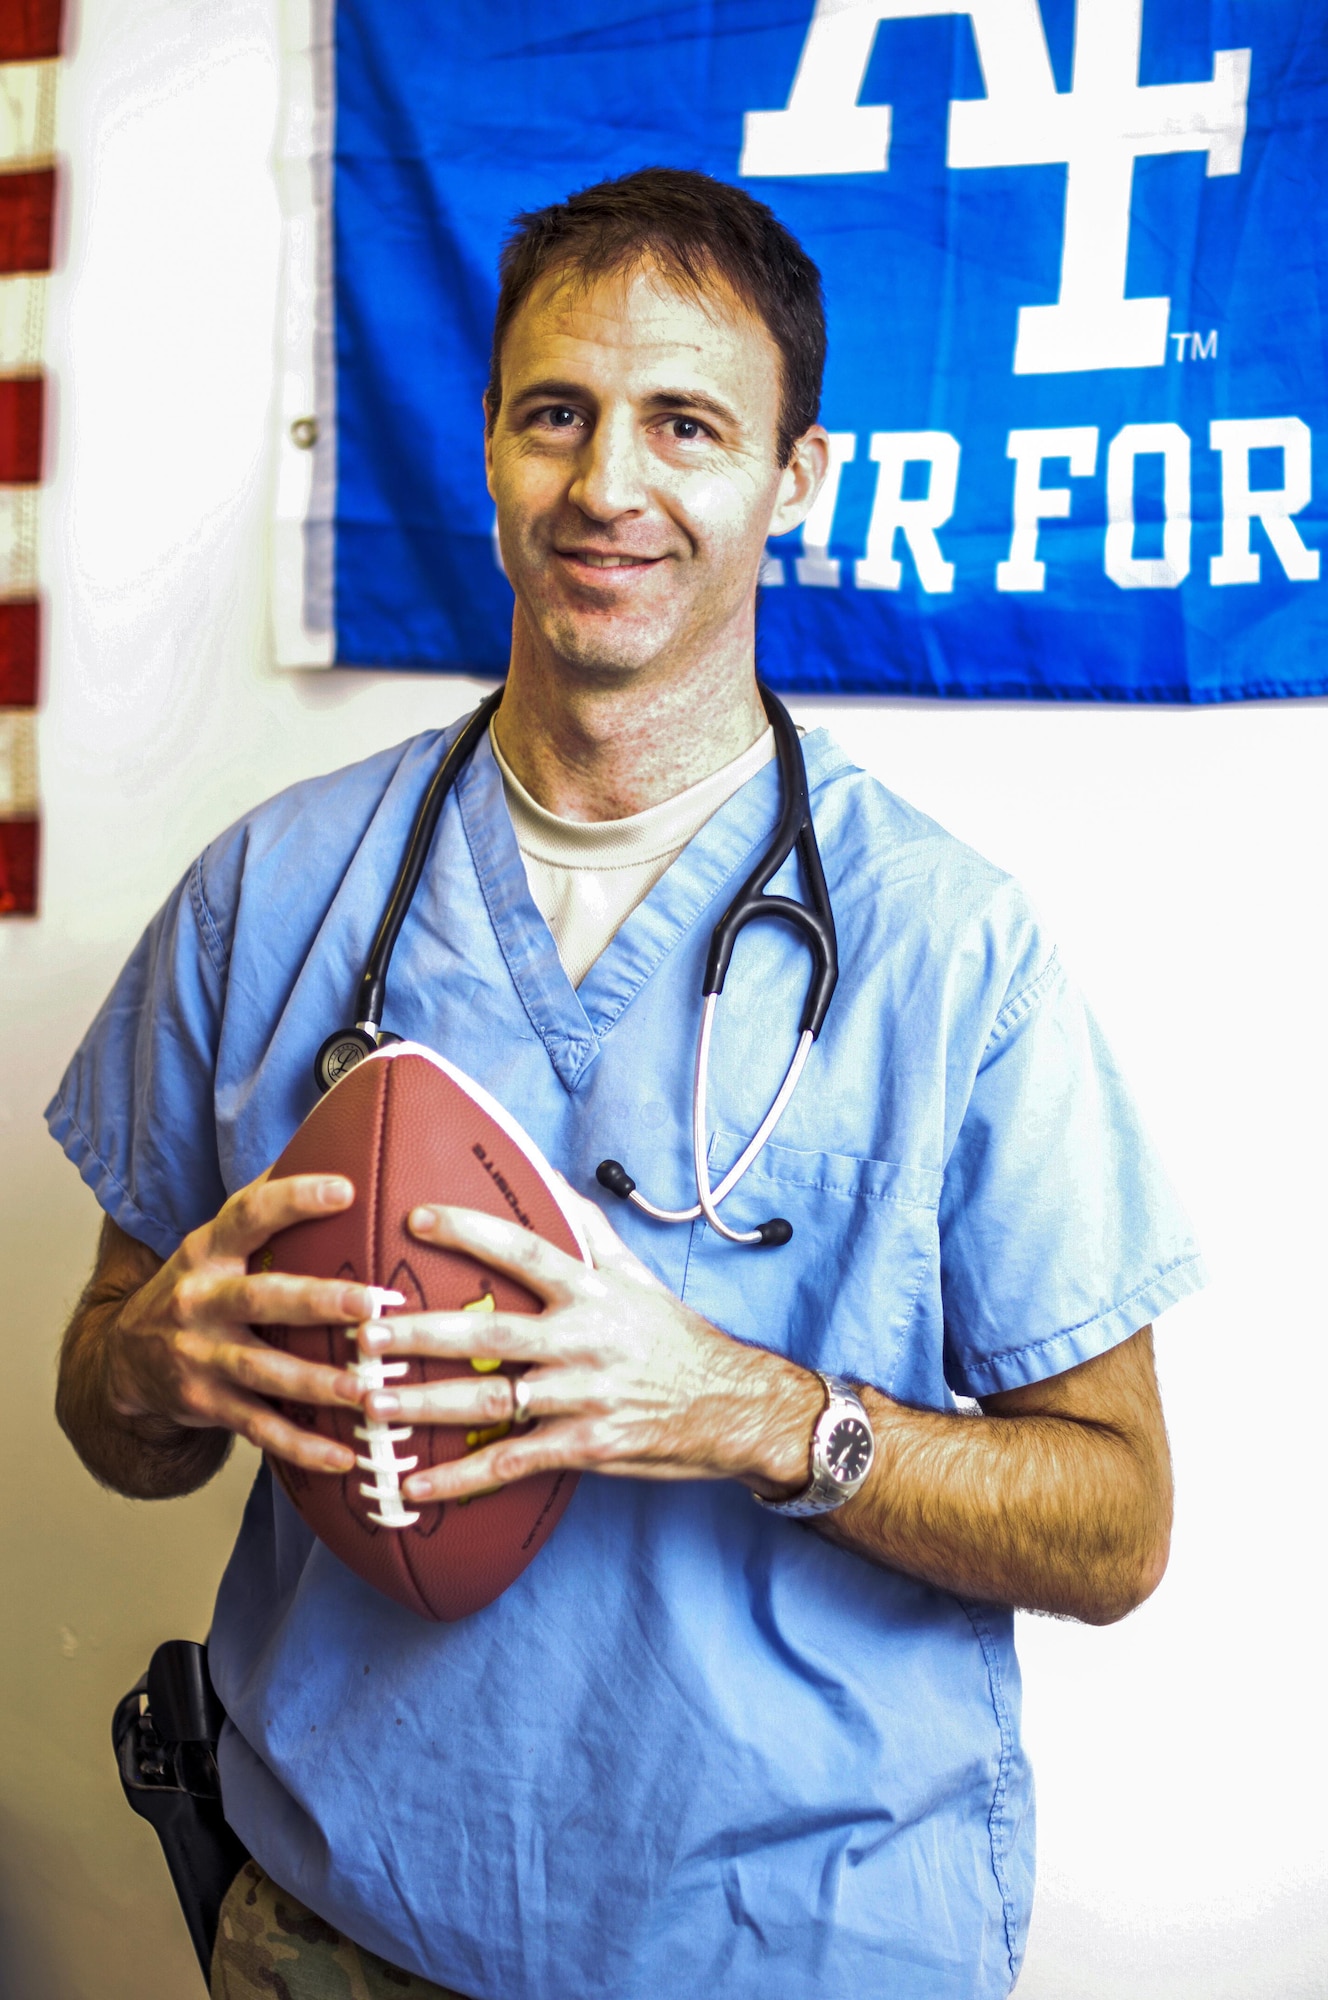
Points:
135	1109
1060	1236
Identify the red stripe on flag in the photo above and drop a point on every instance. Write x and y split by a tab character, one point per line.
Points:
20	650
27	206
22	399
19	845
30	29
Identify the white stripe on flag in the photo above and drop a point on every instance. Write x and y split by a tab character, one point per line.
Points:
18	763
303	621
18	540
22	324
27	113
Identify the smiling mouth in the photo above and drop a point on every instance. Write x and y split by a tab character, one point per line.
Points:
593	560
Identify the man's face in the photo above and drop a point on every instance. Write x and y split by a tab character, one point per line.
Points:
634	466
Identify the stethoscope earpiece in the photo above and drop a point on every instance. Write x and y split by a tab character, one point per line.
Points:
613	1175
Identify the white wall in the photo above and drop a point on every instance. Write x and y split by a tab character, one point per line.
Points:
1179	856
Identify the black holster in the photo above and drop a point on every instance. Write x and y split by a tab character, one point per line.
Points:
165	1735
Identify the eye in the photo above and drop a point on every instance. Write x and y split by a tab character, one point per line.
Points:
687	430
556	417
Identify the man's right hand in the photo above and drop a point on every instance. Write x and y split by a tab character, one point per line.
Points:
161	1364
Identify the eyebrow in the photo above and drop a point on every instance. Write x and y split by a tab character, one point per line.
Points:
551	391
554	390
692	399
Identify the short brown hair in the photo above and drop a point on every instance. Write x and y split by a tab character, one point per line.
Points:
698	231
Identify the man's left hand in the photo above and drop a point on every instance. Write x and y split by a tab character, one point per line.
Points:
622	1376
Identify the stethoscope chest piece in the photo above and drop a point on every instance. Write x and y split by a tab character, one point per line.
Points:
343	1051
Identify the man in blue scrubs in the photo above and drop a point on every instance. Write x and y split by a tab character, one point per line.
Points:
701	1745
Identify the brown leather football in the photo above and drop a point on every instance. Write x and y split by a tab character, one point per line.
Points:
406	1127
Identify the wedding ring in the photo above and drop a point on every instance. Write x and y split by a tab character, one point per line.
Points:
521	1413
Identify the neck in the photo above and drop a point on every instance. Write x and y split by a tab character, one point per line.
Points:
590	749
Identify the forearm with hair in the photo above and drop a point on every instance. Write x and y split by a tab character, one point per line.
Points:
1048	1512
144	1458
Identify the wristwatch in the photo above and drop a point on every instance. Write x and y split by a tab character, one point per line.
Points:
842	1452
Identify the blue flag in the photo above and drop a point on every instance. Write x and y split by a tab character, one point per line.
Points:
1074	259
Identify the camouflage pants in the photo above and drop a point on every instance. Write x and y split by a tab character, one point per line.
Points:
269	1947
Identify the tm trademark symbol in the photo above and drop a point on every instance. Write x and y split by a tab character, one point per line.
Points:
1200	346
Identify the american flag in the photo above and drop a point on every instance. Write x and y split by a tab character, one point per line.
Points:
29	52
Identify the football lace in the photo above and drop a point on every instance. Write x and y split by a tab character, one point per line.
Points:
381	1459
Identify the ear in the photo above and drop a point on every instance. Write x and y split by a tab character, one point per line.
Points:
801	481
488	447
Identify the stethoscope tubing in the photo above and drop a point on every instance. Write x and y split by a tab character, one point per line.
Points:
373	983
814	920
710	1197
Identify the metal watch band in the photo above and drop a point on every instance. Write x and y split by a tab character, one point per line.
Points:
825	1490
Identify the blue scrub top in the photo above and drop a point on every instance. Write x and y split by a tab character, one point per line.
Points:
693	1749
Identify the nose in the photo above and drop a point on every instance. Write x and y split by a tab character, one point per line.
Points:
610	481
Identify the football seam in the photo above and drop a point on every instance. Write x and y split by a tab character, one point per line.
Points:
492	1107
399	1541
352	1480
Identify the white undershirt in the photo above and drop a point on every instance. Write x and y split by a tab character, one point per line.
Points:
586	877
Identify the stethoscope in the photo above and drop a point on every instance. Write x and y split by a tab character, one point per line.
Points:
815	919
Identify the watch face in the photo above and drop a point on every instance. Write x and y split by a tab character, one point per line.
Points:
848	1450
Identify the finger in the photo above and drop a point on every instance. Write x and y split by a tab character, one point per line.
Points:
547	1448
462	1336
273	1433
272	1298
477	1400
549	1273
253	1365
267	1371
545	1392
258	1211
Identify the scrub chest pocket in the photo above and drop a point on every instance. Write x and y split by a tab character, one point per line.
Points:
843	1295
